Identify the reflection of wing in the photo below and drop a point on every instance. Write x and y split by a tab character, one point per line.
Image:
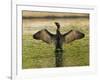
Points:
72	35
44	35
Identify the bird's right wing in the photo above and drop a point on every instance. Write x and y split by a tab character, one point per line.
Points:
72	35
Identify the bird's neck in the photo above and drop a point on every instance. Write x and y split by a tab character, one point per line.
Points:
58	31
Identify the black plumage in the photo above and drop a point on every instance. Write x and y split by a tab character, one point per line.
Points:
58	39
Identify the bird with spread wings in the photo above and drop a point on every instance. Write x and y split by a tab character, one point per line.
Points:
58	39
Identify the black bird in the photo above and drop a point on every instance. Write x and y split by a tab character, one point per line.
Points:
58	38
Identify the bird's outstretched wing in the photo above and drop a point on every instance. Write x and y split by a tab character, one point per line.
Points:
72	35
44	35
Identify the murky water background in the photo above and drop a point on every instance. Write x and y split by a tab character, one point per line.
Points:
37	54
32	25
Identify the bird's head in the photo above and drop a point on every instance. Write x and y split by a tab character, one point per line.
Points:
58	25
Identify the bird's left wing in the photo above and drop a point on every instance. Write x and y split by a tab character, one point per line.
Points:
44	35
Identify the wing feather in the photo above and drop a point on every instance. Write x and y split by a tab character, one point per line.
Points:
72	35
44	35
